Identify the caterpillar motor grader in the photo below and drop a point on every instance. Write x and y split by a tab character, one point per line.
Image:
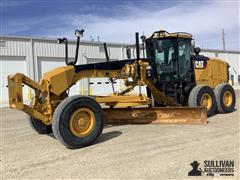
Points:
182	87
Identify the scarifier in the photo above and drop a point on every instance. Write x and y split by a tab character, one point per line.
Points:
183	87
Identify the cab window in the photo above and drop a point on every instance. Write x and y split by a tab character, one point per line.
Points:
184	47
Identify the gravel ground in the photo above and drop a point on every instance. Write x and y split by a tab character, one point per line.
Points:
122	152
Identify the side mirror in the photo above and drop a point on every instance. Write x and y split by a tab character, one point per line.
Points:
128	51
197	50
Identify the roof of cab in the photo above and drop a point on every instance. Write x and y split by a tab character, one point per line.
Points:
165	34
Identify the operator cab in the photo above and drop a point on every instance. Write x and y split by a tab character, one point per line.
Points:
170	58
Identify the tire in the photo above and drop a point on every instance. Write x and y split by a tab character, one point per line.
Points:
38	126
74	113
221	92
153	103
199	95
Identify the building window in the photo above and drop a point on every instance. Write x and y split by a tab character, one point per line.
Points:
216	54
2	44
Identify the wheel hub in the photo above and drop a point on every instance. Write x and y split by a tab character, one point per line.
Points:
227	98
82	122
206	101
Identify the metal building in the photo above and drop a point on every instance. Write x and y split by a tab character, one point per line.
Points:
232	57
35	56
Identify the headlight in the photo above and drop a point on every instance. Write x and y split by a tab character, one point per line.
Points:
79	33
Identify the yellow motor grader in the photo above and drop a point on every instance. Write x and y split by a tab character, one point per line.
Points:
183	87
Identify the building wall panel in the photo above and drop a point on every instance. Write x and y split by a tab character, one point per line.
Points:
233	60
15	48
34	49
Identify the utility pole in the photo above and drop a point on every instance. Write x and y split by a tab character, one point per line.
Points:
223	39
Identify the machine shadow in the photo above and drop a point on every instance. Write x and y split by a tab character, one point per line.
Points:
108	136
103	137
209	118
51	135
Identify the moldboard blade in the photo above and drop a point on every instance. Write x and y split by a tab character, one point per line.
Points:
166	115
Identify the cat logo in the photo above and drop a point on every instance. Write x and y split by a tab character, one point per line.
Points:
199	64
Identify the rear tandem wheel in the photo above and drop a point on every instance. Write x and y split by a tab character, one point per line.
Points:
203	96
225	97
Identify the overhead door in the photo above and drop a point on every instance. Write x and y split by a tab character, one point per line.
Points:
46	64
10	65
102	86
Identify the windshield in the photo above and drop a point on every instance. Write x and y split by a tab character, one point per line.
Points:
169	54
164	52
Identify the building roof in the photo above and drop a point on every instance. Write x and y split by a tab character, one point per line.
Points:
220	51
100	43
55	39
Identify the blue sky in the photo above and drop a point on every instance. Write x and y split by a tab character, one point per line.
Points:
116	21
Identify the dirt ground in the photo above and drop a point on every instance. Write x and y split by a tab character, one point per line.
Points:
122	152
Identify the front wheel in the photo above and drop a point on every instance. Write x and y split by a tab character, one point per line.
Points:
78	121
38	126
203	96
